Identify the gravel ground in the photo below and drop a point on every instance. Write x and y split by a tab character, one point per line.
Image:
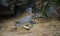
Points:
44	27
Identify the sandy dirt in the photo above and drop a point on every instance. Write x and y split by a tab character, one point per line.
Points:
44	27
